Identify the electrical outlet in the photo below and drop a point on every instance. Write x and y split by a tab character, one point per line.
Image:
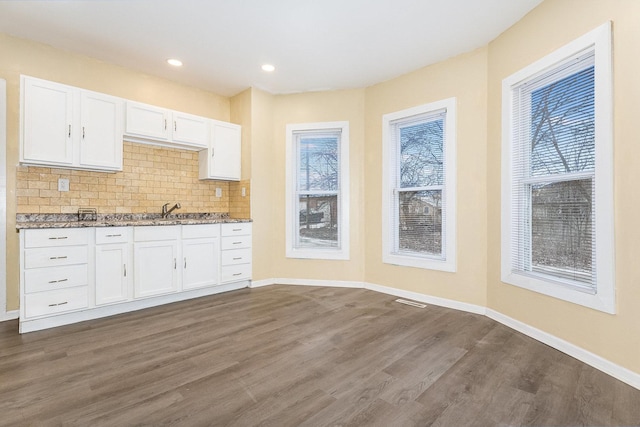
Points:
244	192
218	192
63	184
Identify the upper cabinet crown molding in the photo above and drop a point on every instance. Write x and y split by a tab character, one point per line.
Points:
64	126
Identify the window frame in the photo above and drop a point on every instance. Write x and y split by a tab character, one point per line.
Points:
603	299
341	252
390	165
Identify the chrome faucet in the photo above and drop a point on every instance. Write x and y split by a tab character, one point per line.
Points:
166	212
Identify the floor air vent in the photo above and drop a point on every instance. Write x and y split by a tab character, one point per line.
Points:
411	303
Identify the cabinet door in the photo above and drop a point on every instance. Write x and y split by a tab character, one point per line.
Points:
189	129
101	131
200	263
147	121
225	151
47	115
155	266
112	273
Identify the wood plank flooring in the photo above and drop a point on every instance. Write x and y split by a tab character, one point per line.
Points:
299	356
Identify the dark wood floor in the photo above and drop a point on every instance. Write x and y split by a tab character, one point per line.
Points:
289	356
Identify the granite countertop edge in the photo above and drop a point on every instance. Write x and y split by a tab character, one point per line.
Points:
36	221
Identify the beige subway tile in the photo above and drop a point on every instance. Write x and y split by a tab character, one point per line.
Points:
28	209
89	180
49	193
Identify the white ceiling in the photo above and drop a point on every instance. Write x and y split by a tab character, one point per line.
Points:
314	44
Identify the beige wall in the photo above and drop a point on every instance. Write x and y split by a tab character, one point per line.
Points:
271	114
318	107
263	209
464	78
614	337
38	60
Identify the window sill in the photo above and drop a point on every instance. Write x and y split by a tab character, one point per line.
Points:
326	254
419	262
601	300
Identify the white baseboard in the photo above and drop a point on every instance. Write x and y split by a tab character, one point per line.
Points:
309	282
9	315
623	374
427	299
600	363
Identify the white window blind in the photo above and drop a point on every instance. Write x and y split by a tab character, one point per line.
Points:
419	197
553	181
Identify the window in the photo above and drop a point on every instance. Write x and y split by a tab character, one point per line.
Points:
318	190
557	202
419	195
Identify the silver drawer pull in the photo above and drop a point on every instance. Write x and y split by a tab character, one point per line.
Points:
57	304
58	281
237	229
113	235
237	274
236	243
237	258
58	257
58	238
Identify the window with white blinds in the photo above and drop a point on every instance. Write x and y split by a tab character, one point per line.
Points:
419	213
557	182
317	202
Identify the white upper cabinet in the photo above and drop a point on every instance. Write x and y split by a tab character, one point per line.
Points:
222	160
147	121
47	122
190	129
63	126
151	123
101	132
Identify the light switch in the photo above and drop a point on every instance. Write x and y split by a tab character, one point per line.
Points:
63	184
218	192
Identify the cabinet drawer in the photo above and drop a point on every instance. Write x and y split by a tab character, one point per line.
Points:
46	279
236	229
236	256
200	231
233	273
236	242
57	301
56	237
53	257
155	233
112	235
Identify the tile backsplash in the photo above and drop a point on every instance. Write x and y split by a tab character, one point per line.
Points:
151	176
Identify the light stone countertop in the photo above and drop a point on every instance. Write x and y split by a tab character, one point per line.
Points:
35	221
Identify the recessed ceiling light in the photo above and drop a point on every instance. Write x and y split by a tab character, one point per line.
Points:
268	68
175	62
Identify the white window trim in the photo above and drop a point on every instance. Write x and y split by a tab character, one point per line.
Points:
342	252
604	299
388	166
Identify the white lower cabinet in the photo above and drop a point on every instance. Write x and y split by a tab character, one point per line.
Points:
200	255
113	265
155	260
236	252
76	274
54	272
